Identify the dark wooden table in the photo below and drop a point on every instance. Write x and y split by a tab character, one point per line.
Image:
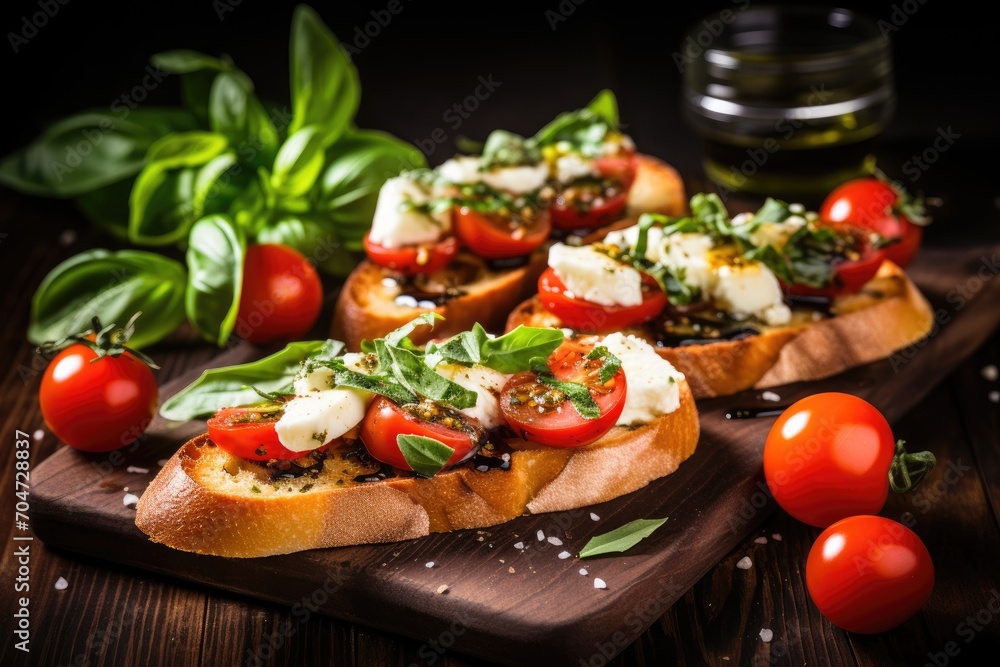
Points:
106	615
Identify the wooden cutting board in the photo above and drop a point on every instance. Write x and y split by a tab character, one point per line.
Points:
523	605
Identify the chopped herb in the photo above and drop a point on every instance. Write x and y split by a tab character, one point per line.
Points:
425	456
610	364
255	488
578	394
305	488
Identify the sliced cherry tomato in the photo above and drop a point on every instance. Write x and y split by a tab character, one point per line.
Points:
589	316
869	574
249	433
827	457
413	259
588	205
385	421
539	413
622	167
874	204
497	237
97	404
282	294
850	275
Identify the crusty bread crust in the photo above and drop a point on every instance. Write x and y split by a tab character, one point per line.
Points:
889	314
190	506
365	308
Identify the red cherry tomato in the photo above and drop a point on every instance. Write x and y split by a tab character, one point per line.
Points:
589	316
869	574
850	275
873	204
496	237
248	432
385	421
621	167
413	259
97	404
536	412
282	294
827	457
587	204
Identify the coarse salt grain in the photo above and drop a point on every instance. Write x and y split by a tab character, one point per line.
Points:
38	435
429	564
511	569
556	541
990	372
519	545
137	469
776	537
61	584
994	396
599	583
540	535
761	540
564	555
770	396
583	571
744	563
594	517
130	500
766	635
443	588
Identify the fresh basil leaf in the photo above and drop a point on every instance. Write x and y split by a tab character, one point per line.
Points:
409	369
513	351
298	163
425	456
185	61
396	336
354	169
578	395
773	210
161	205
88	151
605	106
186	149
646	222
622	538
224	387
326	89
314	237
112	286
464	348
380	385
585	129
236	113
216	185
506	149
610	364
215	254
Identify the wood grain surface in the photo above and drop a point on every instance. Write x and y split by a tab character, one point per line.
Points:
551	613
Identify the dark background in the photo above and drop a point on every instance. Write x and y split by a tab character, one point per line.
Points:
430	56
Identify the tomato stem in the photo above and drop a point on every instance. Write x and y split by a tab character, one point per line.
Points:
106	341
907	470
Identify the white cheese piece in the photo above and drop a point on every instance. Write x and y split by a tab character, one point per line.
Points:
318	417
487	384
689	253
595	277
652	382
750	289
627	238
771	233
396	223
517	180
461	169
617	143
572	166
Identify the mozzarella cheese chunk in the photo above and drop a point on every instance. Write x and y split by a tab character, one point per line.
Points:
397	223
319	413
487	384
652	381
460	169
515	180
771	233
572	166
595	277
689	253
627	238
750	288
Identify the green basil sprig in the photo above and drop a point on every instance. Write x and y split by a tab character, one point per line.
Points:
215	255
509	353
114	284
622	538
237	385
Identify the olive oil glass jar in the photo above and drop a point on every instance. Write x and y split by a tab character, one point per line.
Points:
789	101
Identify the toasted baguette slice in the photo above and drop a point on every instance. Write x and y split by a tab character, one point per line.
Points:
888	314
366	306
194	504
